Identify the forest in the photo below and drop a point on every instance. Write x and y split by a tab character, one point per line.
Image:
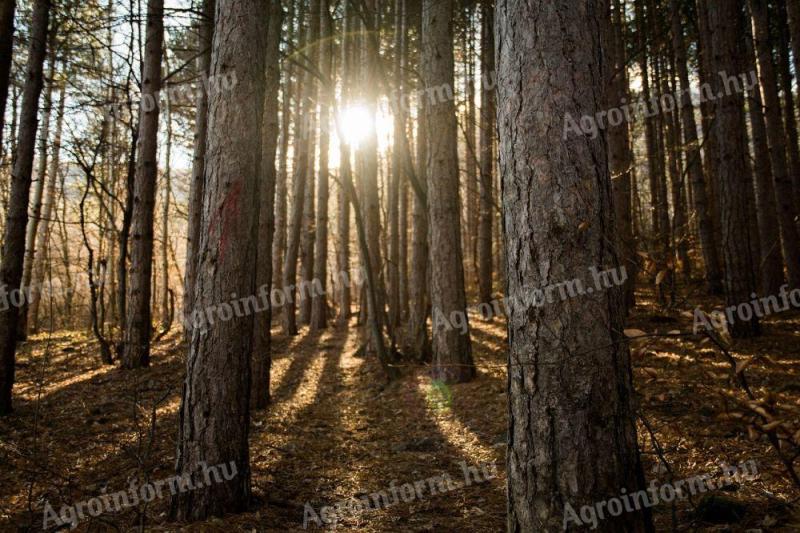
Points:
400	265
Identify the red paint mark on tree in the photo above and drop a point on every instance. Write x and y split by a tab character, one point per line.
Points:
228	213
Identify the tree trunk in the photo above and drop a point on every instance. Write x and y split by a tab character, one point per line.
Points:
6	48
790	120
726	29
345	171
38	187
777	143
694	162
793	9
262	358
214	416
770	254
452	350
397	175
319	303
281	185
43	238
569	365
197	184
620	156
138	326
166	318
487	128
301	172
17	214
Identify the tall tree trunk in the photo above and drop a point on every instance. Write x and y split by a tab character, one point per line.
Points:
138	325
470	154
397	175
726	29
197	184
770	254
452	349
694	162
620	156
569	365
6	48
777	143
793	9
343	296
301	173
215	416
166	318
418	342
487	128
17	214
262	358
319	304
650	126
43	237
790	120
281	185
38	186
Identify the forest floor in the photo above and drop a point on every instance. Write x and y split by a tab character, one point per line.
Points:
336	431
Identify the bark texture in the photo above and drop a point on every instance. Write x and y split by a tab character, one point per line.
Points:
17	214
138	321
572	438
725	22
452	350
214	416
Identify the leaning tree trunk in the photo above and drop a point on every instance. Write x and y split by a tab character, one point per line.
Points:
138	323
262	358
6	48
572	436
726	29
196	185
487	128
452	350
17	214
214	416
787	211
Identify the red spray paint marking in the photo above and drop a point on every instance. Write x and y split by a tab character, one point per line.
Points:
227	213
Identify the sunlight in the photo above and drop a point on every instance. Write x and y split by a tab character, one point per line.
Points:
357	123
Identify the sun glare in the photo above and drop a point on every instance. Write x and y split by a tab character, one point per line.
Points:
356	124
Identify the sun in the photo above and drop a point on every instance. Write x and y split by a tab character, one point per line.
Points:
355	124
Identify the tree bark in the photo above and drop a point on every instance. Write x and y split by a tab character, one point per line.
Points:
345	171
620	156
214	416
197	184
301	172
570	391
262	358
487	128
319	303
138	324
770	254
726	29
43	238
17	214
6	48
38	186
790	120
452	350
787	213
